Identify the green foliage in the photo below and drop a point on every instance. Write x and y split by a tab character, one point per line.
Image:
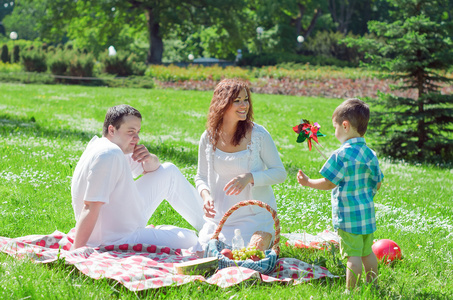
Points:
32	77
158	18
398	119
414	48
328	44
130	82
58	62
299	71
71	63
16	54
5	55
25	17
271	59
80	64
34	60
9	68
284	21
122	64
195	72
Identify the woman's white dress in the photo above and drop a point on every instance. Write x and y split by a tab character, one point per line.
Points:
217	168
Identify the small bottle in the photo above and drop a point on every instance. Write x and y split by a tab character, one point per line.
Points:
238	241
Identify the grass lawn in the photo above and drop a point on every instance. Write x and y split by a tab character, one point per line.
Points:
44	130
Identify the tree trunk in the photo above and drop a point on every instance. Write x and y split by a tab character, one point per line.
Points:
156	45
298	21
318	13
343	14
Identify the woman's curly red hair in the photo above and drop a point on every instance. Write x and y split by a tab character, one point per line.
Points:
225	93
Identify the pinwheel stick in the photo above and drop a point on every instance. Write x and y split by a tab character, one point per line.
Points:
314	144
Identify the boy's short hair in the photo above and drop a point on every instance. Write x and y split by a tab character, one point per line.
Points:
115	115
356	112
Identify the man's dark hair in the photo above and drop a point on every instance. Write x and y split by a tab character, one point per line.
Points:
115	116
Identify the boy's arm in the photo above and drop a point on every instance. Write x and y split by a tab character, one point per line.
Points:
319	184
87	221
379	185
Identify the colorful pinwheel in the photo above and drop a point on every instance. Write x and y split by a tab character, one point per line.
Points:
309	131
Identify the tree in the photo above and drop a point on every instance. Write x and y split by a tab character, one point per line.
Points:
415	48
365	11
24	18
6	7
102	21
291	17
4	57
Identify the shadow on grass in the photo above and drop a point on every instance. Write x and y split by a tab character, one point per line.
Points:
28	126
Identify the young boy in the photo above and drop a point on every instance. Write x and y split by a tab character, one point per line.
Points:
353	173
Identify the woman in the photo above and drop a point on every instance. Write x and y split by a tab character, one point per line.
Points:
237	160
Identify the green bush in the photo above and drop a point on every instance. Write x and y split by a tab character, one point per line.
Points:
9	68
80	65
51	49
5	54
38	78
16	54
123	65
144	82
174	73
272	59
58	63
34	60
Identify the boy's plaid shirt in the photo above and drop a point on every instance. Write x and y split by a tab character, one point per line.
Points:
354	169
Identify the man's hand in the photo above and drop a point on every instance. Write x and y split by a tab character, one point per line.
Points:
208	205
236	185
149	161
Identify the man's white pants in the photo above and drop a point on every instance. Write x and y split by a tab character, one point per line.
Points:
168	183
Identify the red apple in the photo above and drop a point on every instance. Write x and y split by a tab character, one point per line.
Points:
227	253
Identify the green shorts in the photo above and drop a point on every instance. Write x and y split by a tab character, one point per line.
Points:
355	244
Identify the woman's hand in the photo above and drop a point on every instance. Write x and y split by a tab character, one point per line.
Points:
236	185
208	205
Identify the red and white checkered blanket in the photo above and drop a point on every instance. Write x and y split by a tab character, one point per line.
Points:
140	266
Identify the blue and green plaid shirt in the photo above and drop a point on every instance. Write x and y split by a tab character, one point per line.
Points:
354	169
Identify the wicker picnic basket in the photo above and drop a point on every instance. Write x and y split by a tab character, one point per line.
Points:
265	265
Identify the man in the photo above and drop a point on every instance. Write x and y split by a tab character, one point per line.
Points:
111	208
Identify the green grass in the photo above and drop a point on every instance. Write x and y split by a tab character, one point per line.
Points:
44	130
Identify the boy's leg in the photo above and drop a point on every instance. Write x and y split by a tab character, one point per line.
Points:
351	246
168	183
369	259
353	271
371	267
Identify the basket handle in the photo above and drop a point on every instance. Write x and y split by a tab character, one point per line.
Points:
238	205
